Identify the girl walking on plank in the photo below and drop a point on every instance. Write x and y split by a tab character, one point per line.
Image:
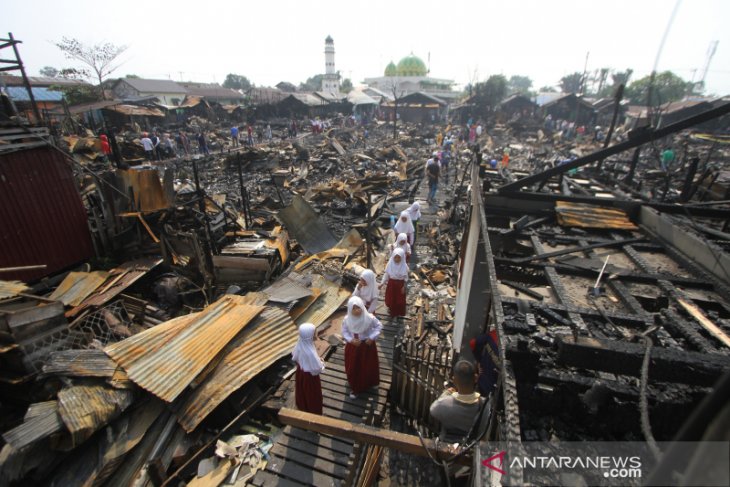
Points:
395	278
402	243
367	290
414	211
360	329
307	386
404	225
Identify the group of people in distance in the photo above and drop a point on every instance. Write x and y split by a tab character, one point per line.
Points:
360	327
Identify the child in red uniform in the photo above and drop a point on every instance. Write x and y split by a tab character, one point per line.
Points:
360	329
395	278
308	386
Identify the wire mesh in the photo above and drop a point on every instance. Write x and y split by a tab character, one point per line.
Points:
92	332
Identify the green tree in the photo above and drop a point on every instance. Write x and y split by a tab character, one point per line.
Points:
519	84
548	89
100	58
488	94
286	87
571	83
131	76
665	87
237	82
346	85
312	84
49	71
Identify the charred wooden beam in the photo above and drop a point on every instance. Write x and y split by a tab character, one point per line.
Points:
624	358
366	434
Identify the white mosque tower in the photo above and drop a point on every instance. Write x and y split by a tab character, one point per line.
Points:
331	80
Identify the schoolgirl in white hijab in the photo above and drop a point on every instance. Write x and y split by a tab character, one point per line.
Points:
367	290
359	326
305	354
401	243
405	225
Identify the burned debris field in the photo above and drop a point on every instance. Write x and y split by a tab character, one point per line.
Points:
555	264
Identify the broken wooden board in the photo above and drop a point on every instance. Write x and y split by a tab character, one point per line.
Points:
367	434
708	325
591	216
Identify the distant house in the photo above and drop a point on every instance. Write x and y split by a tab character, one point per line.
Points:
416	107
604	108
166	91
517	105
214	93
675	111
302	104
262	95
572	108
45	92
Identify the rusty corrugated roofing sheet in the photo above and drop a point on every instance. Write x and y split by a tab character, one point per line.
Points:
80	363
9	289
118	280
286	290
332	298
42	219
306	226
85	409
269	337
77	286
166	362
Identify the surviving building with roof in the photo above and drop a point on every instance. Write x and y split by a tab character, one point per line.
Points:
166	91
411	75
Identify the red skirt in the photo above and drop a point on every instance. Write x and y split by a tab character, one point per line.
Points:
395	298
308	392
362	366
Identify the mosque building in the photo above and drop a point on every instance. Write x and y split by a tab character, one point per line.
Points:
411	75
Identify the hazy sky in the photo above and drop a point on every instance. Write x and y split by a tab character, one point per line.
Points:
271	41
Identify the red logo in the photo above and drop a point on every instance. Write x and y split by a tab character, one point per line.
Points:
499	456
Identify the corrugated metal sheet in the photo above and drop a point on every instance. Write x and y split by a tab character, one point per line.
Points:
149	194
20	93
77	286
42	219
306	226
269	337
175	361
286	290
332	298
80	363
85	409
118	280
9	289
36	427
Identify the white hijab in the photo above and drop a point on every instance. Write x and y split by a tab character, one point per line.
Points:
415	211
369	292
402	239
357	324
404	226
397	270
304	354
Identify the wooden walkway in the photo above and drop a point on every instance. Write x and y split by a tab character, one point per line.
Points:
300	457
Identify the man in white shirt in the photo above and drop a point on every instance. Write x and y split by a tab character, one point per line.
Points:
149	147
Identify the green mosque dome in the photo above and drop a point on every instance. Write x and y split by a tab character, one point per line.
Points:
411	66
391	70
